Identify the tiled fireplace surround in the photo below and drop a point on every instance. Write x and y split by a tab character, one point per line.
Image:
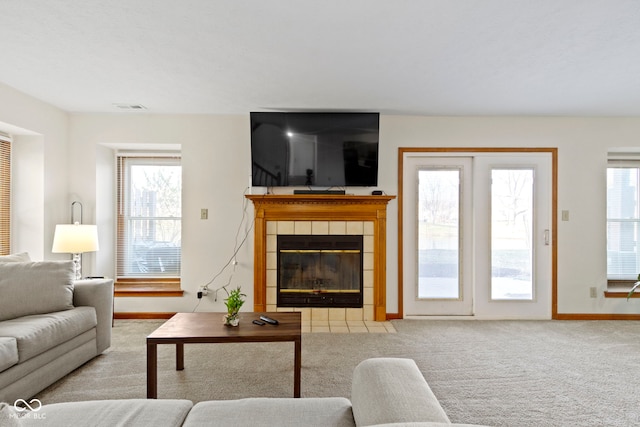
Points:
323	228
322	215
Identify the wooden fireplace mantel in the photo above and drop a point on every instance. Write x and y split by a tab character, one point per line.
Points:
316	207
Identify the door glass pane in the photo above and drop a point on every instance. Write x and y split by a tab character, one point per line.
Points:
438	233
512	234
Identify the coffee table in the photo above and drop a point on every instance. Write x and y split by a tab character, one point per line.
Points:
206	328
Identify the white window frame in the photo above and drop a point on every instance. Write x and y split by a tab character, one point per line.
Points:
124	162
622	161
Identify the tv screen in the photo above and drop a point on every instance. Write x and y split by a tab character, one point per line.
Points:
314	149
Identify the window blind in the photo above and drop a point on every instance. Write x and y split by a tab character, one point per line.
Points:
623	221
5	197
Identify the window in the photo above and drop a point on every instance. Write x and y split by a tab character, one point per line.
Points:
623	219
149	218
5	196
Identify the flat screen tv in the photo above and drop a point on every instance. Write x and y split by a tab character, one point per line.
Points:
314	149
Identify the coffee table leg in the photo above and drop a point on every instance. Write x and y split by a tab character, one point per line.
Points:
179	357
297	368
152	371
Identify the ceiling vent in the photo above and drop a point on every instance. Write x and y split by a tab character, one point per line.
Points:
135	107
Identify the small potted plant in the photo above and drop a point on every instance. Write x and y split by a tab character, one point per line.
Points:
234	301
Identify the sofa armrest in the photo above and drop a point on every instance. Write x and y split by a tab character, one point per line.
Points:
97	293
393	390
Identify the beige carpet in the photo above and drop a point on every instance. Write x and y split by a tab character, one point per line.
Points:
503	373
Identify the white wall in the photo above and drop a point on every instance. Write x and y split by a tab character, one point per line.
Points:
216	172
27	196
41	196
216	168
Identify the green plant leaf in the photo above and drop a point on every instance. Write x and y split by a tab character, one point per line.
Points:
235	300
635	286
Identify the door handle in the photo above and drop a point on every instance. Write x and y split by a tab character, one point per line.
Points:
546	237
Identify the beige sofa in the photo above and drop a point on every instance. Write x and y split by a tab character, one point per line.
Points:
49	323
385	392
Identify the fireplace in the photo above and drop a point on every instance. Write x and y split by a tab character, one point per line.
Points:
320	271
321	215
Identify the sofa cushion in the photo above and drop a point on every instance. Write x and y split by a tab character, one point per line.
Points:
38	333
19	257
280	412
8	352
392	390
109	413
9	417
35	288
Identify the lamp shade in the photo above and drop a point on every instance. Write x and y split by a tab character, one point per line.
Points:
75	238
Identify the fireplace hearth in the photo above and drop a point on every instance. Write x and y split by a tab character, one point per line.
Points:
320	271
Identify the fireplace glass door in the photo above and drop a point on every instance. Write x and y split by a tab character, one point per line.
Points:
319	271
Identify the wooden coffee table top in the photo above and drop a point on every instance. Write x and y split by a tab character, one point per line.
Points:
209	328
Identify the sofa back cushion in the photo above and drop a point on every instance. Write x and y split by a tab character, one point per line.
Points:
21	257
35	288
393	390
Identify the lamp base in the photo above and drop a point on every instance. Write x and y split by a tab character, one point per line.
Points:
77	264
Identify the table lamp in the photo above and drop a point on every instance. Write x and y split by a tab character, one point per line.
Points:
75	239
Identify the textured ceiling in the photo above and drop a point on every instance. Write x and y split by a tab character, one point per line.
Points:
427	57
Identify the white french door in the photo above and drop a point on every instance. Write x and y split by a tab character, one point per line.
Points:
437	222
476	234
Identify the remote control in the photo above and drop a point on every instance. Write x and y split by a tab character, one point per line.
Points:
269	320
258	322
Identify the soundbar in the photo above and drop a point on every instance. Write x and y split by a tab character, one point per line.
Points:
319	192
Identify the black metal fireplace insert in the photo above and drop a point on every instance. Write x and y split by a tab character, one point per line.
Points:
320	271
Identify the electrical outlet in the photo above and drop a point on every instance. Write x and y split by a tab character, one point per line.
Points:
593	292
202	291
